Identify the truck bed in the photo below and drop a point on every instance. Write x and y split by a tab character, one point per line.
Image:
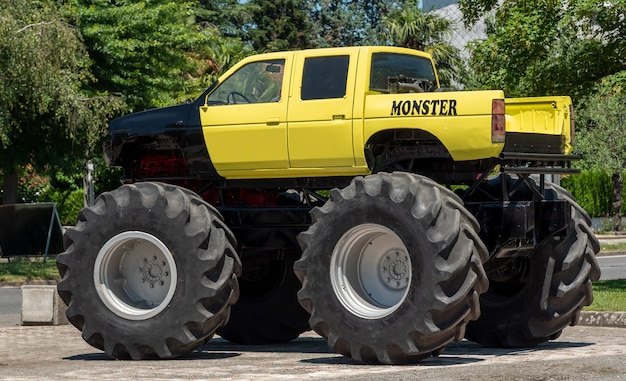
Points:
528	118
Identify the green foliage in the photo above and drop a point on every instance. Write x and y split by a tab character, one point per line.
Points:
601	141
227	16
45	113
592	190
409	27
520	35
152	53
552	47
348	23
43	67
473	10
601	126
225	23
68	202
66	188
546	47
279	25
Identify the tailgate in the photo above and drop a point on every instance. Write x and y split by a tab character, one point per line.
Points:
539	125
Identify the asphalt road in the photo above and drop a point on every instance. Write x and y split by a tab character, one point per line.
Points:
612	267
59	353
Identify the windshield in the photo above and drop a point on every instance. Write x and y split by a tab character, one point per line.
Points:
256	82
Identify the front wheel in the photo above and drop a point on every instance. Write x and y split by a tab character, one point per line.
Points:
391	269
148	271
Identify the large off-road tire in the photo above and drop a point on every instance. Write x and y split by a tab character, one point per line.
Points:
531	300
148	272
268	310
391	269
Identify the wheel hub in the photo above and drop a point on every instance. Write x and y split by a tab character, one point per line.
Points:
370	271
154	272
394	270
135	275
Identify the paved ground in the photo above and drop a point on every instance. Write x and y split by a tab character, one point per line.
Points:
59	353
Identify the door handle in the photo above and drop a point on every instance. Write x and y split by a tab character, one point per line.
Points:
339	116
273	121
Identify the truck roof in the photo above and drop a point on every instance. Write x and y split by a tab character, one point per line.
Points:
336	50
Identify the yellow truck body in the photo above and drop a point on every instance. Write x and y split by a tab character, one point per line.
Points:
299	136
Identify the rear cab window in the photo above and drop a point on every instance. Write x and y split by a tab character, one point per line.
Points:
387	69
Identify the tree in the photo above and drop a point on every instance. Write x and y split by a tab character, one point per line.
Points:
279	25
552	47
519	37
45	115
229	17
225	22
603	119
348	22
410	28
151	53
546	47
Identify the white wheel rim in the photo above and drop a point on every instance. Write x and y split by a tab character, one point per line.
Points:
135	275
370	271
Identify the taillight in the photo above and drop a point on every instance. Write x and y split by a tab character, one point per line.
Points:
498	121
571	124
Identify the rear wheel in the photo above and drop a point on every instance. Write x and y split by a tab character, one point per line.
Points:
530	300
148	271
391	269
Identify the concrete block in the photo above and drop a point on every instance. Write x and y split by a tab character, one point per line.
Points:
41	305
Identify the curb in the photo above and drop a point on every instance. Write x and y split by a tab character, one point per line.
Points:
603	319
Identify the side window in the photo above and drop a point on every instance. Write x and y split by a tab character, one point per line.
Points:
256	82
390	68
325	77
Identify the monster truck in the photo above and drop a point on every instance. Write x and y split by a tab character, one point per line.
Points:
341	190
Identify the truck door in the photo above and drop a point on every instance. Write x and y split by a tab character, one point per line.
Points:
244	120
320	109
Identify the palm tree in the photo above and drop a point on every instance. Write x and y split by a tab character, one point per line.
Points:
409	27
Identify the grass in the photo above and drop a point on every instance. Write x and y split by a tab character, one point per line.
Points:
608	295
24	269
613	247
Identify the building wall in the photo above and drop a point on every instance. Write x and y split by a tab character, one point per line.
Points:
461	35
428	5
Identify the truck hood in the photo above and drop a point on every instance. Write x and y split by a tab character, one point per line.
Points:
166	121
151	121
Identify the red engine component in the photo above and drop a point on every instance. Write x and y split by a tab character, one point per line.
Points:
161	163
157	164
241	197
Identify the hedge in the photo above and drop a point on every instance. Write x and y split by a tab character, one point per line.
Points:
593	190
